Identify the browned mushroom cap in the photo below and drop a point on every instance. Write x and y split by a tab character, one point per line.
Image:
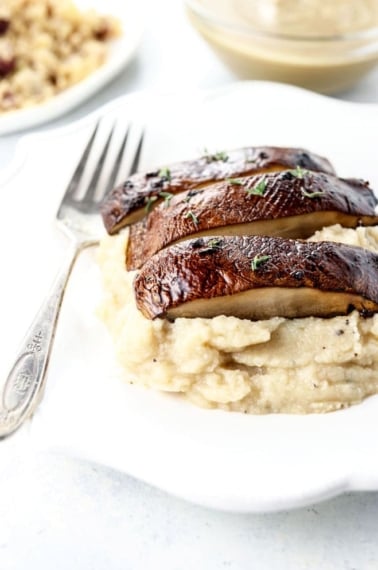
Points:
257	277
131	201
288	204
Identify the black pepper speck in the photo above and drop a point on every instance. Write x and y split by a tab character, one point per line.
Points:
298	275
198	243
287	176
158	183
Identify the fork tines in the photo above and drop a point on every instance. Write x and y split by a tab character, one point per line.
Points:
104	175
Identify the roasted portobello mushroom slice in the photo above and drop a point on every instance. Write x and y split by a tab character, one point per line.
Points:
288	204
257	277
133	199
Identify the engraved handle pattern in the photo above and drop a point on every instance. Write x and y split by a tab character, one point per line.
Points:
21	392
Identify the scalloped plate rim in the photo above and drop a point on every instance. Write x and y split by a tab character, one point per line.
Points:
350	480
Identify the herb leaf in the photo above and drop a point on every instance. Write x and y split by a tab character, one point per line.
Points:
217	156
312	194
298	172
165	173
221	156
257	190
192	215
258	260
214	243
236	181
167	197
149	200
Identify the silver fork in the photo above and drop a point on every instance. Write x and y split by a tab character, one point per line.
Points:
79	219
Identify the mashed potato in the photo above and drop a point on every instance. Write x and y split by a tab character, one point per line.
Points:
278	365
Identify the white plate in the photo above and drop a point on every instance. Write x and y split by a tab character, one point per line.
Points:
223	460
121	50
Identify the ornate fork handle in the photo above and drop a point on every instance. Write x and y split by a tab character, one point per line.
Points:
78	217
24	385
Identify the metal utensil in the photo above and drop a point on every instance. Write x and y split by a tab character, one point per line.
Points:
78	217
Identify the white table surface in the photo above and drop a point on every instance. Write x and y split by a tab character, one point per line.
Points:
62	513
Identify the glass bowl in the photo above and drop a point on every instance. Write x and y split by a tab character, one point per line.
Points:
323	46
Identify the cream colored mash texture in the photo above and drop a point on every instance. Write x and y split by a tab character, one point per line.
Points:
278	365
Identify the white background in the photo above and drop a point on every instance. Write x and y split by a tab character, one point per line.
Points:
61	513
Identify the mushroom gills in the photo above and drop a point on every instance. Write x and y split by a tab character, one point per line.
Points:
267	302
257	277
300	227
288	207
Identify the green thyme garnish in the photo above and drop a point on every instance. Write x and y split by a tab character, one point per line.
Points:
167	196
214	243
149	201
217	156
298	172
258	260
237	181
312	194
165	173
192	215
257	190
222	156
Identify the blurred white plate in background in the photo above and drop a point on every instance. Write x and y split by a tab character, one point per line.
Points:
121	51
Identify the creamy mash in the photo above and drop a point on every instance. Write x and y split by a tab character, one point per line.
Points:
278	365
